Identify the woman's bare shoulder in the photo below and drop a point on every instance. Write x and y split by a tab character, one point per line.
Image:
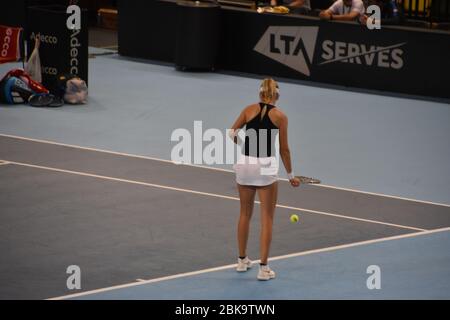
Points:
278	113
252	107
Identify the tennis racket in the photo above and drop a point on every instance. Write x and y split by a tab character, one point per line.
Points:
307	180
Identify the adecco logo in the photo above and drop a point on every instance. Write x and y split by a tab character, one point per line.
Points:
50	70
295	47
6	42
74	46
44	38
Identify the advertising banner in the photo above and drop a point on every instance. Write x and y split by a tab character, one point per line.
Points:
62	49
390	59
10	39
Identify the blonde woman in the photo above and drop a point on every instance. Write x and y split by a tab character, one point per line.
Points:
257	172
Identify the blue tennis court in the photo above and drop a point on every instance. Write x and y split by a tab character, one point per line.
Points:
412	267
93	186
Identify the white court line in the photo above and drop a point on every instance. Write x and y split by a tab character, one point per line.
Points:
298	254
212	195
2	163
213	168
112	152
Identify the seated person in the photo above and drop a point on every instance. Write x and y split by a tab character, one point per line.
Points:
344	10
391	11
295	6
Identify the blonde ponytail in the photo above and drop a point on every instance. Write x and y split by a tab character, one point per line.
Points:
268	90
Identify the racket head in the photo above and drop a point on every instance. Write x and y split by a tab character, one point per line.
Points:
308	180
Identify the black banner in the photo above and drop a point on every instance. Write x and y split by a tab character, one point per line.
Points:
389	59
62	50
232	309
395	59
147	29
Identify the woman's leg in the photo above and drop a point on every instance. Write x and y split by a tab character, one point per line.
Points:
268	197
247	197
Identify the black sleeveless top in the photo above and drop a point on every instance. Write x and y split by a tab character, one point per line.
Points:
260	134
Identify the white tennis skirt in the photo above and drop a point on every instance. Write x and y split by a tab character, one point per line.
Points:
252	171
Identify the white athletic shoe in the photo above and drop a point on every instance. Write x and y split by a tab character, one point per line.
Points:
265	273
244	264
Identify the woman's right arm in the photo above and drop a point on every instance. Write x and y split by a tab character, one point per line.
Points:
238	124
285	153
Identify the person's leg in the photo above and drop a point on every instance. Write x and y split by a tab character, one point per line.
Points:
247	199
268	197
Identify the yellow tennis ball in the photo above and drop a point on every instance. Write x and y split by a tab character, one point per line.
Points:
294	218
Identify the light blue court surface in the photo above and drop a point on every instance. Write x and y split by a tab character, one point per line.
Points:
368	142
411	268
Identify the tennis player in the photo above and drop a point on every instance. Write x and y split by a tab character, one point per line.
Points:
256	172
